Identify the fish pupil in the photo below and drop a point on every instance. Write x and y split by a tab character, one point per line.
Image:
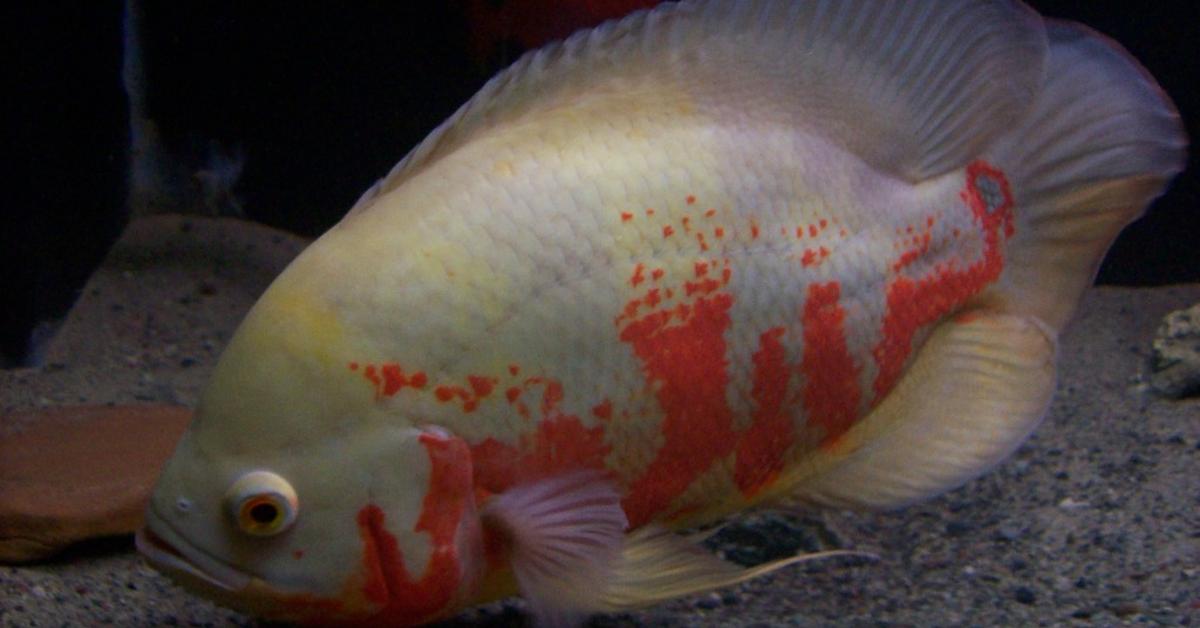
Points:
263	513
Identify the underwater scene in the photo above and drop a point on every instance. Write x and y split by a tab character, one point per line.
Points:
601	313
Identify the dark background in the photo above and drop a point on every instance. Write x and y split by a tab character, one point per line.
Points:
320	99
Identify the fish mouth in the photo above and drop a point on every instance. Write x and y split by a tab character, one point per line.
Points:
166	550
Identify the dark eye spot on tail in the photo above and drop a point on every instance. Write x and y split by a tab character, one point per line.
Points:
987	190
991	192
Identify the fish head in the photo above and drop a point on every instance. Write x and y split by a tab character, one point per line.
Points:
294	496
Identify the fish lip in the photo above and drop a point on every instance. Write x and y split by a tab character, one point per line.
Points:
167	550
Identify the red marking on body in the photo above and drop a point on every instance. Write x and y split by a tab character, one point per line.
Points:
656	274
552	396
394	379
812	230
630	311
823	223
754	230
710	213
913	303
298	554
691	200
626	216
719	233
384	592
701	241
799	232
812	257
637	277
372	375
513	369
404	597
831	388
668	231
603	410
649	211
560	443
706	285
682	352
481	386
478	388
920	249
512	394
446	394
389	378
762	447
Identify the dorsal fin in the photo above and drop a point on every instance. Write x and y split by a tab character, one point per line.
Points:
914	88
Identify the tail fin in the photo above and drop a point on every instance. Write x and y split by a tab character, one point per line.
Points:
1099	144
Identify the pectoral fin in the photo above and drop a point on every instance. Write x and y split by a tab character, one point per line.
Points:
976	389
563	536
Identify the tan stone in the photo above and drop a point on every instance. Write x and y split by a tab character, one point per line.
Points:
79	472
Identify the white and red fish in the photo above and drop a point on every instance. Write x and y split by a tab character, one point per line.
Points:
710	257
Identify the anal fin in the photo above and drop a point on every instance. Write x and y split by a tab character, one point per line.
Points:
657	565
976	389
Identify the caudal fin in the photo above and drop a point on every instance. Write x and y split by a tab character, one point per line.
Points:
1100	142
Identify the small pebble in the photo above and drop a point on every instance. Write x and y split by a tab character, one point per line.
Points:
1009	531
1024	595
957	528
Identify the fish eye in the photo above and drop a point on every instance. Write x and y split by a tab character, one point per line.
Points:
262	503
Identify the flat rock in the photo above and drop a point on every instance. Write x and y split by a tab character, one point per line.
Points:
79	472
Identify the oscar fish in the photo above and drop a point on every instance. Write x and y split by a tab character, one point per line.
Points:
711	257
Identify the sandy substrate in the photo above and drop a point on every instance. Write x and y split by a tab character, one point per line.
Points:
1094	521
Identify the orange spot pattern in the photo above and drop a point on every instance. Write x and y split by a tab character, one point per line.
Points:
389	378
